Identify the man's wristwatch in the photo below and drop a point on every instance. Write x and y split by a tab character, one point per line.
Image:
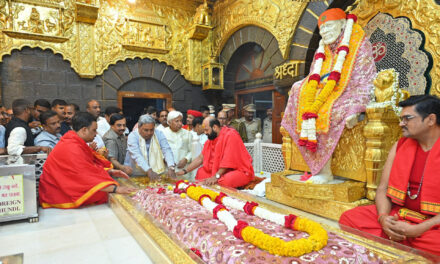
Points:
217	176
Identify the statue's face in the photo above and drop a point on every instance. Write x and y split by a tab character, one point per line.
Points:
331	30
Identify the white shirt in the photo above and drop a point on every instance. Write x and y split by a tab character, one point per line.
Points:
99	141
161	128
202	137
180	143
16	141
103	126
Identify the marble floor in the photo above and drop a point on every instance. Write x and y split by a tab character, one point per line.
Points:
87	235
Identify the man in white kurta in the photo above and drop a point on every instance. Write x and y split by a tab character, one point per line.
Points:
198	139
180	141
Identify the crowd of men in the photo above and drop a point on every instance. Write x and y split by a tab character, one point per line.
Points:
27	129
84	145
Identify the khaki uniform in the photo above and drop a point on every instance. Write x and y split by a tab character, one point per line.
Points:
240	127
267	130
252	128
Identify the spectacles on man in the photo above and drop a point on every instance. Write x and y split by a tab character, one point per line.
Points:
406	118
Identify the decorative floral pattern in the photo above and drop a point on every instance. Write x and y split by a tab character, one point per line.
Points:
397	45
218	245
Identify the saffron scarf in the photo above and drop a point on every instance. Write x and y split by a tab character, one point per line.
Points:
400	173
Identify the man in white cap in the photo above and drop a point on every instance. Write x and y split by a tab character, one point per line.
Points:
253	126
180	140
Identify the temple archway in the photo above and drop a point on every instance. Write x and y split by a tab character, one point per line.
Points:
249	68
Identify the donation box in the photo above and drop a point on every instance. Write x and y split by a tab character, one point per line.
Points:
18	192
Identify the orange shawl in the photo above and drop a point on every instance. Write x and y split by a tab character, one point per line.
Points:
73	175
400	173
227	151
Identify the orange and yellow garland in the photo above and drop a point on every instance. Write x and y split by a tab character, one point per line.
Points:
317	235
312	102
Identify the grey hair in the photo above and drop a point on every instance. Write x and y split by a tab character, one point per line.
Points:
173	115
145	119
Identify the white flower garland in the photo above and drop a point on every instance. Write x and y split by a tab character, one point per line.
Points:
308	127
216	203
227	217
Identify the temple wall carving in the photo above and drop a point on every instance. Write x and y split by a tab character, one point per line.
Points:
423	16
92	35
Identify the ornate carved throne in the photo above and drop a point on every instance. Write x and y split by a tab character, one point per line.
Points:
361	151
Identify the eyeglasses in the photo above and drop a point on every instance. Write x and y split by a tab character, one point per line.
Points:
406	118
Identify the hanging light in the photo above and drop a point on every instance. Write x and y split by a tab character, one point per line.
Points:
212	75
132	1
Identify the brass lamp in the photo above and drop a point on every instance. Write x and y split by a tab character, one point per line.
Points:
212	75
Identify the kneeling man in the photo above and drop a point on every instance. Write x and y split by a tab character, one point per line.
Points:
224	157
407	199
72	175
147	148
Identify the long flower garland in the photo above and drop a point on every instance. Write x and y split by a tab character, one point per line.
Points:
217	203
313	103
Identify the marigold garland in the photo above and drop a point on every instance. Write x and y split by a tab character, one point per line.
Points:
317	235
314	103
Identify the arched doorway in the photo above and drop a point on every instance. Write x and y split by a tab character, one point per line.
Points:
249	74
135	96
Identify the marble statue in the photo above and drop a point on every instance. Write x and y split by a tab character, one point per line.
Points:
334	93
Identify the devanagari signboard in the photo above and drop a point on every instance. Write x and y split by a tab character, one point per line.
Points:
11	195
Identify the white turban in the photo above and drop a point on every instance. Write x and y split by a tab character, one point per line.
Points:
173	115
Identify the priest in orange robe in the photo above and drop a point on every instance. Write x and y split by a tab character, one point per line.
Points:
73	175
407	200
224	157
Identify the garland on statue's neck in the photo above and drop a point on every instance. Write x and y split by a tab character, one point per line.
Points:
217	202
313	103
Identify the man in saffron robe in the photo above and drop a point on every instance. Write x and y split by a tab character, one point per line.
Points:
407	200
348	99
72	175
224	157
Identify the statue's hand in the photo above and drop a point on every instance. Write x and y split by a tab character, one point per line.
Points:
351	121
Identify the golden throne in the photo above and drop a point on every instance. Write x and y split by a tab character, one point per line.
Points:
359	157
